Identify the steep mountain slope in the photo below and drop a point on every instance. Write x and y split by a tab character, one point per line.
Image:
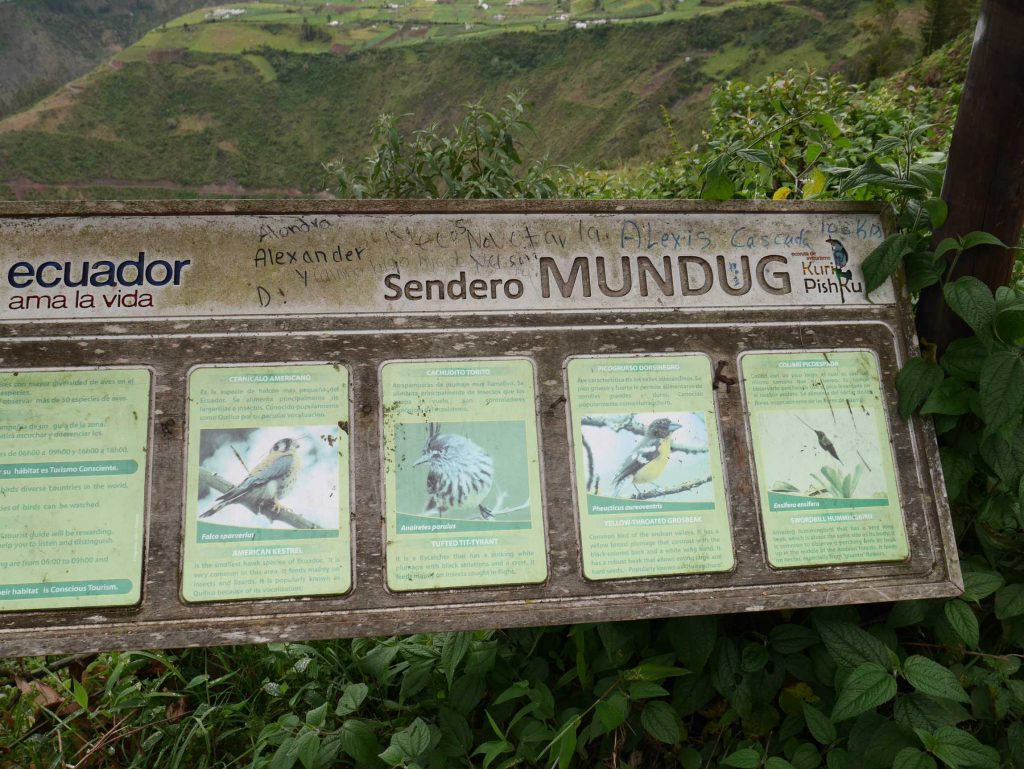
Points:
263	121
46	43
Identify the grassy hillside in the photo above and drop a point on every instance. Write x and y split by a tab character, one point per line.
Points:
183	121
46	43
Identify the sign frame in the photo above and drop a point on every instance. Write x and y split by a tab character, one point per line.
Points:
361	342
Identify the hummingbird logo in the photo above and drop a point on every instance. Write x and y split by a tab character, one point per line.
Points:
840	257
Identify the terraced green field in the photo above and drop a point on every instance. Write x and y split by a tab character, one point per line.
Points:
358	25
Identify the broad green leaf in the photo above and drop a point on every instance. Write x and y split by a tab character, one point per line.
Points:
912	758
754	156
929	677
937	211
907	613
915	383
659	720
814	183
850	646
819	725
971	299
837	758
643	690
415	678
826	121
791	639
867	687
963	621
923	270
307	747
1009	325
922	713
515	691
964	358
413	740
453	649
958	748
352	697
689	758
1002	387
957	469
744	758
1010	601
926	177
378	660
286	755
718	184
951	397
979	585
393	755
612	711
753	658
979	238
693	639
775	762
491	750
806	756
945	246
317	716
886	259
359	741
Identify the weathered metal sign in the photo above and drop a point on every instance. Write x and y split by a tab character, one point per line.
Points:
226	422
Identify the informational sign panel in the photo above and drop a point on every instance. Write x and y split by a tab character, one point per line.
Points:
462	474
73	481
243	421
823	457
266	494
649	483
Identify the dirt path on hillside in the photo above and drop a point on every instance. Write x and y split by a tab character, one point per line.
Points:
23	188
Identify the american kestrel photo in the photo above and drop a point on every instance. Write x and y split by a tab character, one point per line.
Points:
269	482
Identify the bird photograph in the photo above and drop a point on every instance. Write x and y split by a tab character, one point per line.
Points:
271	470
469	471
815	453
648	455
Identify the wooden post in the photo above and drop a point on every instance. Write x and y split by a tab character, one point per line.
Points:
984	184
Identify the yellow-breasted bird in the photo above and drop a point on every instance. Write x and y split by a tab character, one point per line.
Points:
270	481
650	456
461	473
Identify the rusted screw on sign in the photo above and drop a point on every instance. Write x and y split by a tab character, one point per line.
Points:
728	381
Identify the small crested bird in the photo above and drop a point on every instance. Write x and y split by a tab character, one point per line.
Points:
840	257
461	473
269	482
823	441
650	456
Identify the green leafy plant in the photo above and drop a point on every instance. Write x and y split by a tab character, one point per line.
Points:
478	159
837	483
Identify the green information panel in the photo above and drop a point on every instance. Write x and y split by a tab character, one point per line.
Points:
649	484
267	490
72	487
824	460
462	474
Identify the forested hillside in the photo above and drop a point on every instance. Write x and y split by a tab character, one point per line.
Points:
262	120
46	43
